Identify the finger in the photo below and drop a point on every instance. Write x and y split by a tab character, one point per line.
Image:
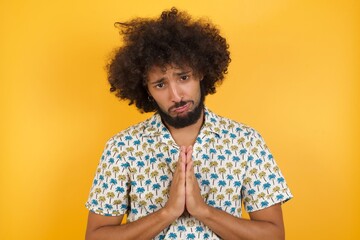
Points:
190	169
182	164
191	180
183	157
189	148
189	151
179	166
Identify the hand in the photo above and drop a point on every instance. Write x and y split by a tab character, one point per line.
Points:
176	202
195	204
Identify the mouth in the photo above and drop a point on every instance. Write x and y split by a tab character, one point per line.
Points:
179	110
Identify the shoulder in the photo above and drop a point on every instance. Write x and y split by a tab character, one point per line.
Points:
131	134
227	126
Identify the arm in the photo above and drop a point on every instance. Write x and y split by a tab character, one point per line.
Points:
264	224
105	227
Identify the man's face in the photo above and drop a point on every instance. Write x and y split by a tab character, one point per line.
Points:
177	94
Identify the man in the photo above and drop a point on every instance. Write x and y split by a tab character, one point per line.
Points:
183	173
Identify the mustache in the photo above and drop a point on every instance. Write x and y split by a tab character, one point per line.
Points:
179	104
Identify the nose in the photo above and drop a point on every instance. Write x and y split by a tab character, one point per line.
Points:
175	93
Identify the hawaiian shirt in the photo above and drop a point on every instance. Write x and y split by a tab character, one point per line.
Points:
232	164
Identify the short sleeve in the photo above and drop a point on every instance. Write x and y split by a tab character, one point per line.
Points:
109	192
264	184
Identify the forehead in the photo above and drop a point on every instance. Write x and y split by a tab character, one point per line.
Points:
162	70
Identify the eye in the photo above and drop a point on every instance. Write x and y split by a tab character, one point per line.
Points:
159	85
184	77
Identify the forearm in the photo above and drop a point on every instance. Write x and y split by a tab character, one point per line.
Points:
151	225
229	227
144	228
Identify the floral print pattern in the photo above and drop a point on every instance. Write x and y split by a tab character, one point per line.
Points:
231	162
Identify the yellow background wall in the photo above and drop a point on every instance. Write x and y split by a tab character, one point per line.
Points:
294	76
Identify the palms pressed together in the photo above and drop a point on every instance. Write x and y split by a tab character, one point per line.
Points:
185	193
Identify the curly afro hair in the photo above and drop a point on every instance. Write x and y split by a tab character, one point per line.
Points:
173	38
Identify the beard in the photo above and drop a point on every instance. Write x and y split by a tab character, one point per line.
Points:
183	121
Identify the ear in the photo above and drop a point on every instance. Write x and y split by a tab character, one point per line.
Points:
201	77
148	92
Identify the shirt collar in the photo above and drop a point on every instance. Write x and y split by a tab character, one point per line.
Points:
154	127
211	123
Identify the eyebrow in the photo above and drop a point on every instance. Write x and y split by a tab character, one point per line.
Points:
183	72
158	81
178	74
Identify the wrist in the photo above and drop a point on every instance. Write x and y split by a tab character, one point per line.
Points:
201	211
169	213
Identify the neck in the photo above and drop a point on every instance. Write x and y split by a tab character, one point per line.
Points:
186	136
